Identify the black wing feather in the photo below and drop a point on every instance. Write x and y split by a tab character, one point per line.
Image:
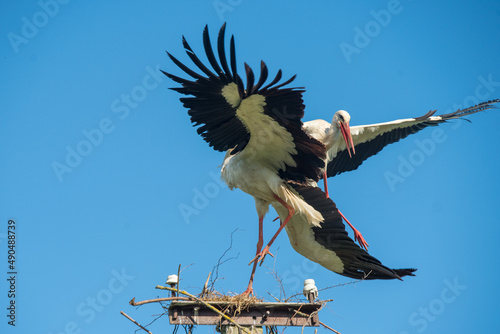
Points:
262	79
196	60
185	69
217	120
221	50
274	81
250	77
343	163
210	53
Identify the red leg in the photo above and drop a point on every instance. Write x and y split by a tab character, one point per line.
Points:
249	290
260	257
326	185
357	235
260	242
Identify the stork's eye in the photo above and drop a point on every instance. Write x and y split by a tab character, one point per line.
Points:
341	118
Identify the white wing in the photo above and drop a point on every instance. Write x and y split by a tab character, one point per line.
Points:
371	139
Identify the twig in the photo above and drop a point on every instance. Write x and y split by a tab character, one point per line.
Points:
339	285
308	318
133	303
135	322
328	287
277	278
205	287
324	301
215	269
273	296
204	303
157	317
178	276
310	315
327	327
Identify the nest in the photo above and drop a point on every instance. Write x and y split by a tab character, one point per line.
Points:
232	304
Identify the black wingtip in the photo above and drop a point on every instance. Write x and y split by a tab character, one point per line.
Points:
250	77
404	272
424	117
232	56
486	105
222	52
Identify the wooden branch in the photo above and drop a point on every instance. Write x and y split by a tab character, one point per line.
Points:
205	287
327	327
204	303
309	316
133	303
135	322
339	285
321	323
178	277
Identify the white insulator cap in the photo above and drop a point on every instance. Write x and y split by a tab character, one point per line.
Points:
172	279
309	286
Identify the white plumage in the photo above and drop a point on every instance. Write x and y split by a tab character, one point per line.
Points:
370	139
261	131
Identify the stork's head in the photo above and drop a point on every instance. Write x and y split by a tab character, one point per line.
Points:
340	123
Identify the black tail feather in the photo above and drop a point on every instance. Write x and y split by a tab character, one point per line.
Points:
333	236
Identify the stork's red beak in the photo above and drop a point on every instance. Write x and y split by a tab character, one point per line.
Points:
346	133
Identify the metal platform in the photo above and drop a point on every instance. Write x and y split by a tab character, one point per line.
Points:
256	314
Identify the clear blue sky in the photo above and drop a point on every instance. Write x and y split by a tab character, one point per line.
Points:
99	159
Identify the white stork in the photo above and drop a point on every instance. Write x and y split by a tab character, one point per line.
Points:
329	245
259	126
367	140
329	135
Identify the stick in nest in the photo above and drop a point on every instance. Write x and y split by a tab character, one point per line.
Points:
236	303
135	322
278	279
134	303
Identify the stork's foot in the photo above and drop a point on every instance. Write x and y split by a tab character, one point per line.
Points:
248	292
275	219
261	255
359	238
357	235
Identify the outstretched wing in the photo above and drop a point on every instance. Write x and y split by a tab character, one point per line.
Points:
371	139
263	119
329	245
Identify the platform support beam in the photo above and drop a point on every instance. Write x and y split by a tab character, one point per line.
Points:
227	329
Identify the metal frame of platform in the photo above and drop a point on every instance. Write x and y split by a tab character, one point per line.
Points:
255	314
